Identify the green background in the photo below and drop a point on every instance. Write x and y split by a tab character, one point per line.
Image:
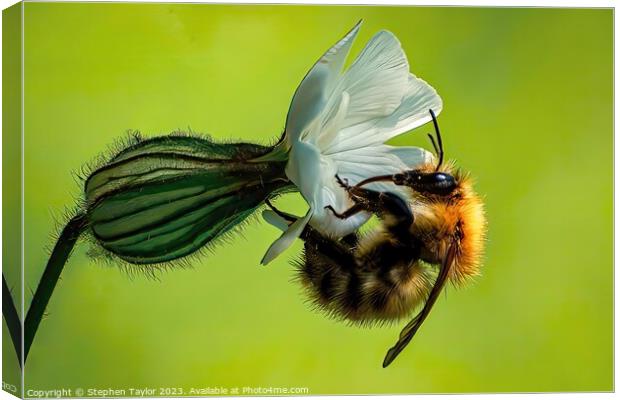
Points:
528	110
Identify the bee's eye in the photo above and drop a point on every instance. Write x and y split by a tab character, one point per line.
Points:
440	177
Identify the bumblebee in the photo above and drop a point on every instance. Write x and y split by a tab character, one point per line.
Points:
435	236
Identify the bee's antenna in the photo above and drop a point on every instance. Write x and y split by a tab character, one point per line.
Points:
439	145
433	143
375	179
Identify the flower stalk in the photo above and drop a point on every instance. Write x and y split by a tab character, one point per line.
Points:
60	254
13	322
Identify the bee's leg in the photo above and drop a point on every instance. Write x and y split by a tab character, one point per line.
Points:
393	210
287	217
364	200
337	250
356	208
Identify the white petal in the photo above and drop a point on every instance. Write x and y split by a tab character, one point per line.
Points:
411	113
306	168
377	79
275	220
311	96
380	159
414	110
287	238
335	57
333	126
413	157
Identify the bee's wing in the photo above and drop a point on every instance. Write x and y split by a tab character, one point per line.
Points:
313	92
412	327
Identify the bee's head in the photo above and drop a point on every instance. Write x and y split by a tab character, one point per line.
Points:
435	182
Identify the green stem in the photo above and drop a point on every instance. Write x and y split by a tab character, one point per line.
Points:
60	255
12	319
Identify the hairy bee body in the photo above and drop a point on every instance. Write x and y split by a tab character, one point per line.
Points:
365	289
456	218
384	276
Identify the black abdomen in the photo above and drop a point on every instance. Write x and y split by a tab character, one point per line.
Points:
360	288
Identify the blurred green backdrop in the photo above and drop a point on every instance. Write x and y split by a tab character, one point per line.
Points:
528	110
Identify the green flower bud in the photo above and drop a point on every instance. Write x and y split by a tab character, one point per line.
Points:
167	197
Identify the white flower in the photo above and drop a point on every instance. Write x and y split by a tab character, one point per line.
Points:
338	123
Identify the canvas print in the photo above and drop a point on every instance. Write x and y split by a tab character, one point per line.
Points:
306	200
